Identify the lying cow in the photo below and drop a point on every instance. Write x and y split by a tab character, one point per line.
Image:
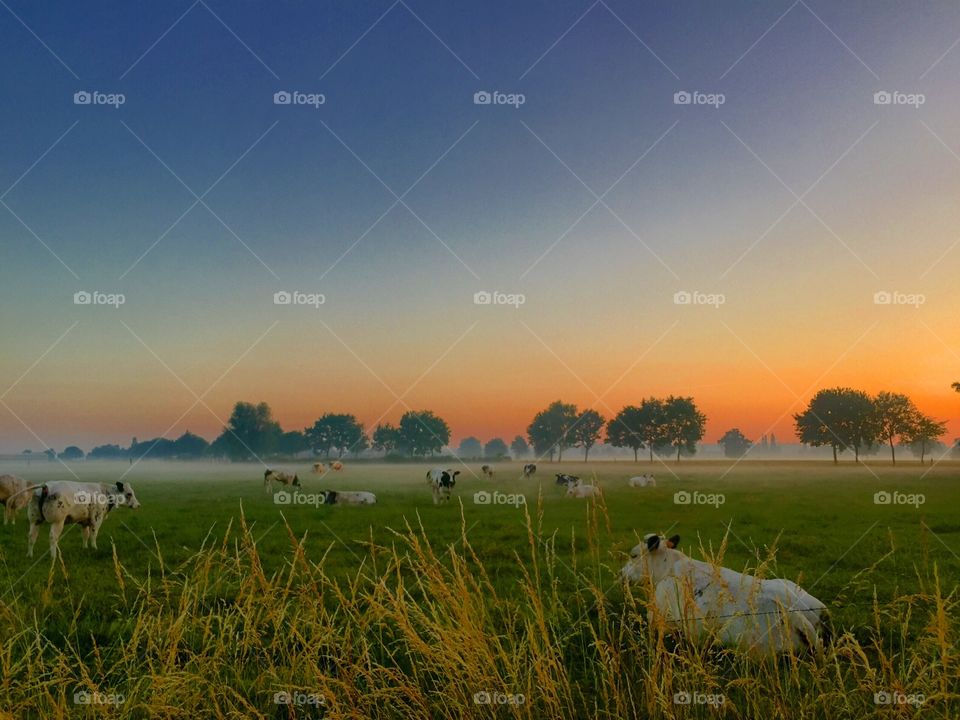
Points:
529	470
442	482
567	480
86	504
487	471
339	497
319	468
752	614
642	481
284	478
576	490
337	466
13	496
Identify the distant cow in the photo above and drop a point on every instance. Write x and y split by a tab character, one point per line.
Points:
567	480
576	490
704	600
319	468
13	496
337	465
529	470
442	481
86	504
642	481
284	478
339	497
487	471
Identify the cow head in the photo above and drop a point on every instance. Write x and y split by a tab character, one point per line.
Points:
129	498
329	497
449	479
653	559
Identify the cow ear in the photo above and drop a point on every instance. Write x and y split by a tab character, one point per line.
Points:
653	542
673	542
119	485
456	472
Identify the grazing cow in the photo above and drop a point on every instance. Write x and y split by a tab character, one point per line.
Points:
576	490
86	504
529	470
284	478
13	496
567	480
319	468
487	471
339	497
642	481
337	465
755	615
442	481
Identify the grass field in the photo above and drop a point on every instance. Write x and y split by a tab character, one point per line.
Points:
211	598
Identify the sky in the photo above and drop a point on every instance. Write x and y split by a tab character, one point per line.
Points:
813	227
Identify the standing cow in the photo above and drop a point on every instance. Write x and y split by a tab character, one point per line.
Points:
567	480
86	504
336	465
487	471
442	481
284	478
529	470
319	468
13	496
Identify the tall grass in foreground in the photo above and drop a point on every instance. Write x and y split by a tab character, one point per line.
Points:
419	631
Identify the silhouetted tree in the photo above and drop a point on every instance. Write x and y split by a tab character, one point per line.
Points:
386	437
683	424
334	432
735	443
72	452
637	427
924	435
422	432
842	418
495	448
549	429
586	431
470	447
519	447
251	431
292	442
895	416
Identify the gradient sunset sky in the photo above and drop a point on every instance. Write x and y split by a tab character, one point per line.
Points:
797	199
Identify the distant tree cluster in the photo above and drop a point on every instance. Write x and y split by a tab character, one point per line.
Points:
472	449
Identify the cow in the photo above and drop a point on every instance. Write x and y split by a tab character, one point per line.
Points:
743	611
576	490
487	471
339	497
442	481
567	480
284	478
13	496
642	481
529	470
337	465
86	504
319	468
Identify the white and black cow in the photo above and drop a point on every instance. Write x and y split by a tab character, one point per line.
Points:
644	480
442	481
487	471
340	497
86	504
284	478
529	470
13	496
707	601
567	480
578	490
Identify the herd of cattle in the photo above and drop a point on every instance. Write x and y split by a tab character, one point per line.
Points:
689	596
